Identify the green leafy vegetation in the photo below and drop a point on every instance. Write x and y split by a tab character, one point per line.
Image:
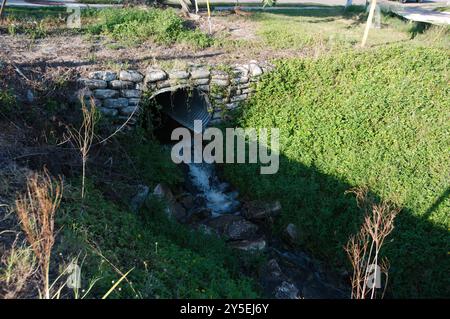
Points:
377	118
7	101
137	25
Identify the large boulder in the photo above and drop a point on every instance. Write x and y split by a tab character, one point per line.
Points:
241	229
187	200
290	234
221	223
250	245
256	210
163	191
177	211
139	198
286	290
197	214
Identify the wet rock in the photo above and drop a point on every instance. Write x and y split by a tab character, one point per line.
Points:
261	210
177	211
207	230
199	200
103	75
105	93
163	191
130	75
241	229
187	200
272	278
286	290
222	222
224	187
250	245
197	214
138	200
290	234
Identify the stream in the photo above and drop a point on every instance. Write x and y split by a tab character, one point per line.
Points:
290	272
208	203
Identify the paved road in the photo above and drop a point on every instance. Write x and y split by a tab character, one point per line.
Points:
422	12
51	3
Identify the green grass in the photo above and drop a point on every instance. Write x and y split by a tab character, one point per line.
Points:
129	26
134	25
332	28
377	118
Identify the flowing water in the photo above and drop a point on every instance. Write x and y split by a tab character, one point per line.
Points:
204	178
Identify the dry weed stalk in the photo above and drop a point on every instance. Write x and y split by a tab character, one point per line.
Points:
364	248
84	136
36	210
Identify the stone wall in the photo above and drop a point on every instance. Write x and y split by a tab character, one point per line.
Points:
117	94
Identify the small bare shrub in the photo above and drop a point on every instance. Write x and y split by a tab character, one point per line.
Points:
36	211
364	248
84	136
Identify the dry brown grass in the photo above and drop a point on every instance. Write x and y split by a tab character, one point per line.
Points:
18	265
84	136
364	248
36	211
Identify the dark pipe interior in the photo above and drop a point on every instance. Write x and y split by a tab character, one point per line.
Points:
185	105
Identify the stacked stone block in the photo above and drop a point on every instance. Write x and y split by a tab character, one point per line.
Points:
117	94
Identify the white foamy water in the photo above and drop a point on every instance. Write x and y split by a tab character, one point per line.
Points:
204	178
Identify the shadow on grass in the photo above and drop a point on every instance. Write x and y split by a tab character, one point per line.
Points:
316	202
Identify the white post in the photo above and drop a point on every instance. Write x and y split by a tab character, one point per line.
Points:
373	5
2	8
348	3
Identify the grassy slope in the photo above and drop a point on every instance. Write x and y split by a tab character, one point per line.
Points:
376	118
